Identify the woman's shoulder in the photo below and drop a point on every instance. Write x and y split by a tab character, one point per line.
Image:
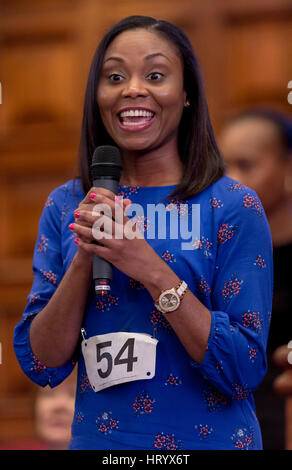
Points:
230	187
69	191
229	193
70	187
228	200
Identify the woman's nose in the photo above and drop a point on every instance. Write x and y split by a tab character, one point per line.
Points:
134	88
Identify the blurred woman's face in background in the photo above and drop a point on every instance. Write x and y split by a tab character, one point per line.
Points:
54	412
254	156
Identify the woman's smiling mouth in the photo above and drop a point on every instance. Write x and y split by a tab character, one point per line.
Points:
135	119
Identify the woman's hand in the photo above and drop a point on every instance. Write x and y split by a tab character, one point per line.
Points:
101	218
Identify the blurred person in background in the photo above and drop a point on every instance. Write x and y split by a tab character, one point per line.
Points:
54	411
257	148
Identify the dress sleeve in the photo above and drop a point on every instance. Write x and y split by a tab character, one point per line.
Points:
48	272
235	360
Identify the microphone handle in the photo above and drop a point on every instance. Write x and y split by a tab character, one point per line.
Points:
102	271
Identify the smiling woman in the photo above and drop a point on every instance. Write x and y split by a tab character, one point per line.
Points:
182	324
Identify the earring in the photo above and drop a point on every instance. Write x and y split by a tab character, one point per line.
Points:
187	104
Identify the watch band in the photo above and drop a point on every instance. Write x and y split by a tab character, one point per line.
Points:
181	290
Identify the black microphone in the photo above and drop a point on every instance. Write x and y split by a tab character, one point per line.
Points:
106	170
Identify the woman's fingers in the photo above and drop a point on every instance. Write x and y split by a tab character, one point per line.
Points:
114	208
82	232
89	199
101	217
90	227
93	249
93	226
101	204
94	191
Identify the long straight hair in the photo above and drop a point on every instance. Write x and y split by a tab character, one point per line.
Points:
197	147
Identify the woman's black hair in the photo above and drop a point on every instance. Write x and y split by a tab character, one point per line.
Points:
281	121
198	150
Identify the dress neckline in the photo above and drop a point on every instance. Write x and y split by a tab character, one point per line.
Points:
148	187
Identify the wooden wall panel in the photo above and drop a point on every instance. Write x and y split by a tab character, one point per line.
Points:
10	371
29	6
40	83
257	65
25	201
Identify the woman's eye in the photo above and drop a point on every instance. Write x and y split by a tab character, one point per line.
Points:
115	77
155	76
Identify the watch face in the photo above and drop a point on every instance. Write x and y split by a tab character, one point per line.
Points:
169	301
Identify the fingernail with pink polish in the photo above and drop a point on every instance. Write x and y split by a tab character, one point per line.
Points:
71	226
76	241
76	215
92	196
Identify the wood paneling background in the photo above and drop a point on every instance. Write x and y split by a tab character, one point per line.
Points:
46	47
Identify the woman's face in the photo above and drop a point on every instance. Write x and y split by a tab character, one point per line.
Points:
252	152
140	93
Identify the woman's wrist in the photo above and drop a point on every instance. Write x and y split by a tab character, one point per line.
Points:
82	260
161	278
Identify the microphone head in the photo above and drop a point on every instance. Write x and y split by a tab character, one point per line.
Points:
106	163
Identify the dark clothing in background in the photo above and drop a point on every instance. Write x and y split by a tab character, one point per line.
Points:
269	406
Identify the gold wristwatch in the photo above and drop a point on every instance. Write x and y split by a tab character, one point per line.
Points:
169	300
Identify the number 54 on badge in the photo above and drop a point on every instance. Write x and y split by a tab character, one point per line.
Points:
116	358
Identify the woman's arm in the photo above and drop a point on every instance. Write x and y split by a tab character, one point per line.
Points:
191	321
55	306
55	330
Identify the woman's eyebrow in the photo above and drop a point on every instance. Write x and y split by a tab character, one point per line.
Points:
119	59
148	57
156	54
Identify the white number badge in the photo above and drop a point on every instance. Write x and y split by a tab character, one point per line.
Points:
115	358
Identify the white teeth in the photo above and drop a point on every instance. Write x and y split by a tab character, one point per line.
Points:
136	113
131	123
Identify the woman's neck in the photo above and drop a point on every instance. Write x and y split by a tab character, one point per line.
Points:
156	168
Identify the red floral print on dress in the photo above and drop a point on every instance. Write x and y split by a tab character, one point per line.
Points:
106	423
205	430
243	438
226	232
49	276
215	203
252	202
231	287
43	244
167	442
143	404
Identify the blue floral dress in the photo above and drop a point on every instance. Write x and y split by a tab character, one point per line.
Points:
186	405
